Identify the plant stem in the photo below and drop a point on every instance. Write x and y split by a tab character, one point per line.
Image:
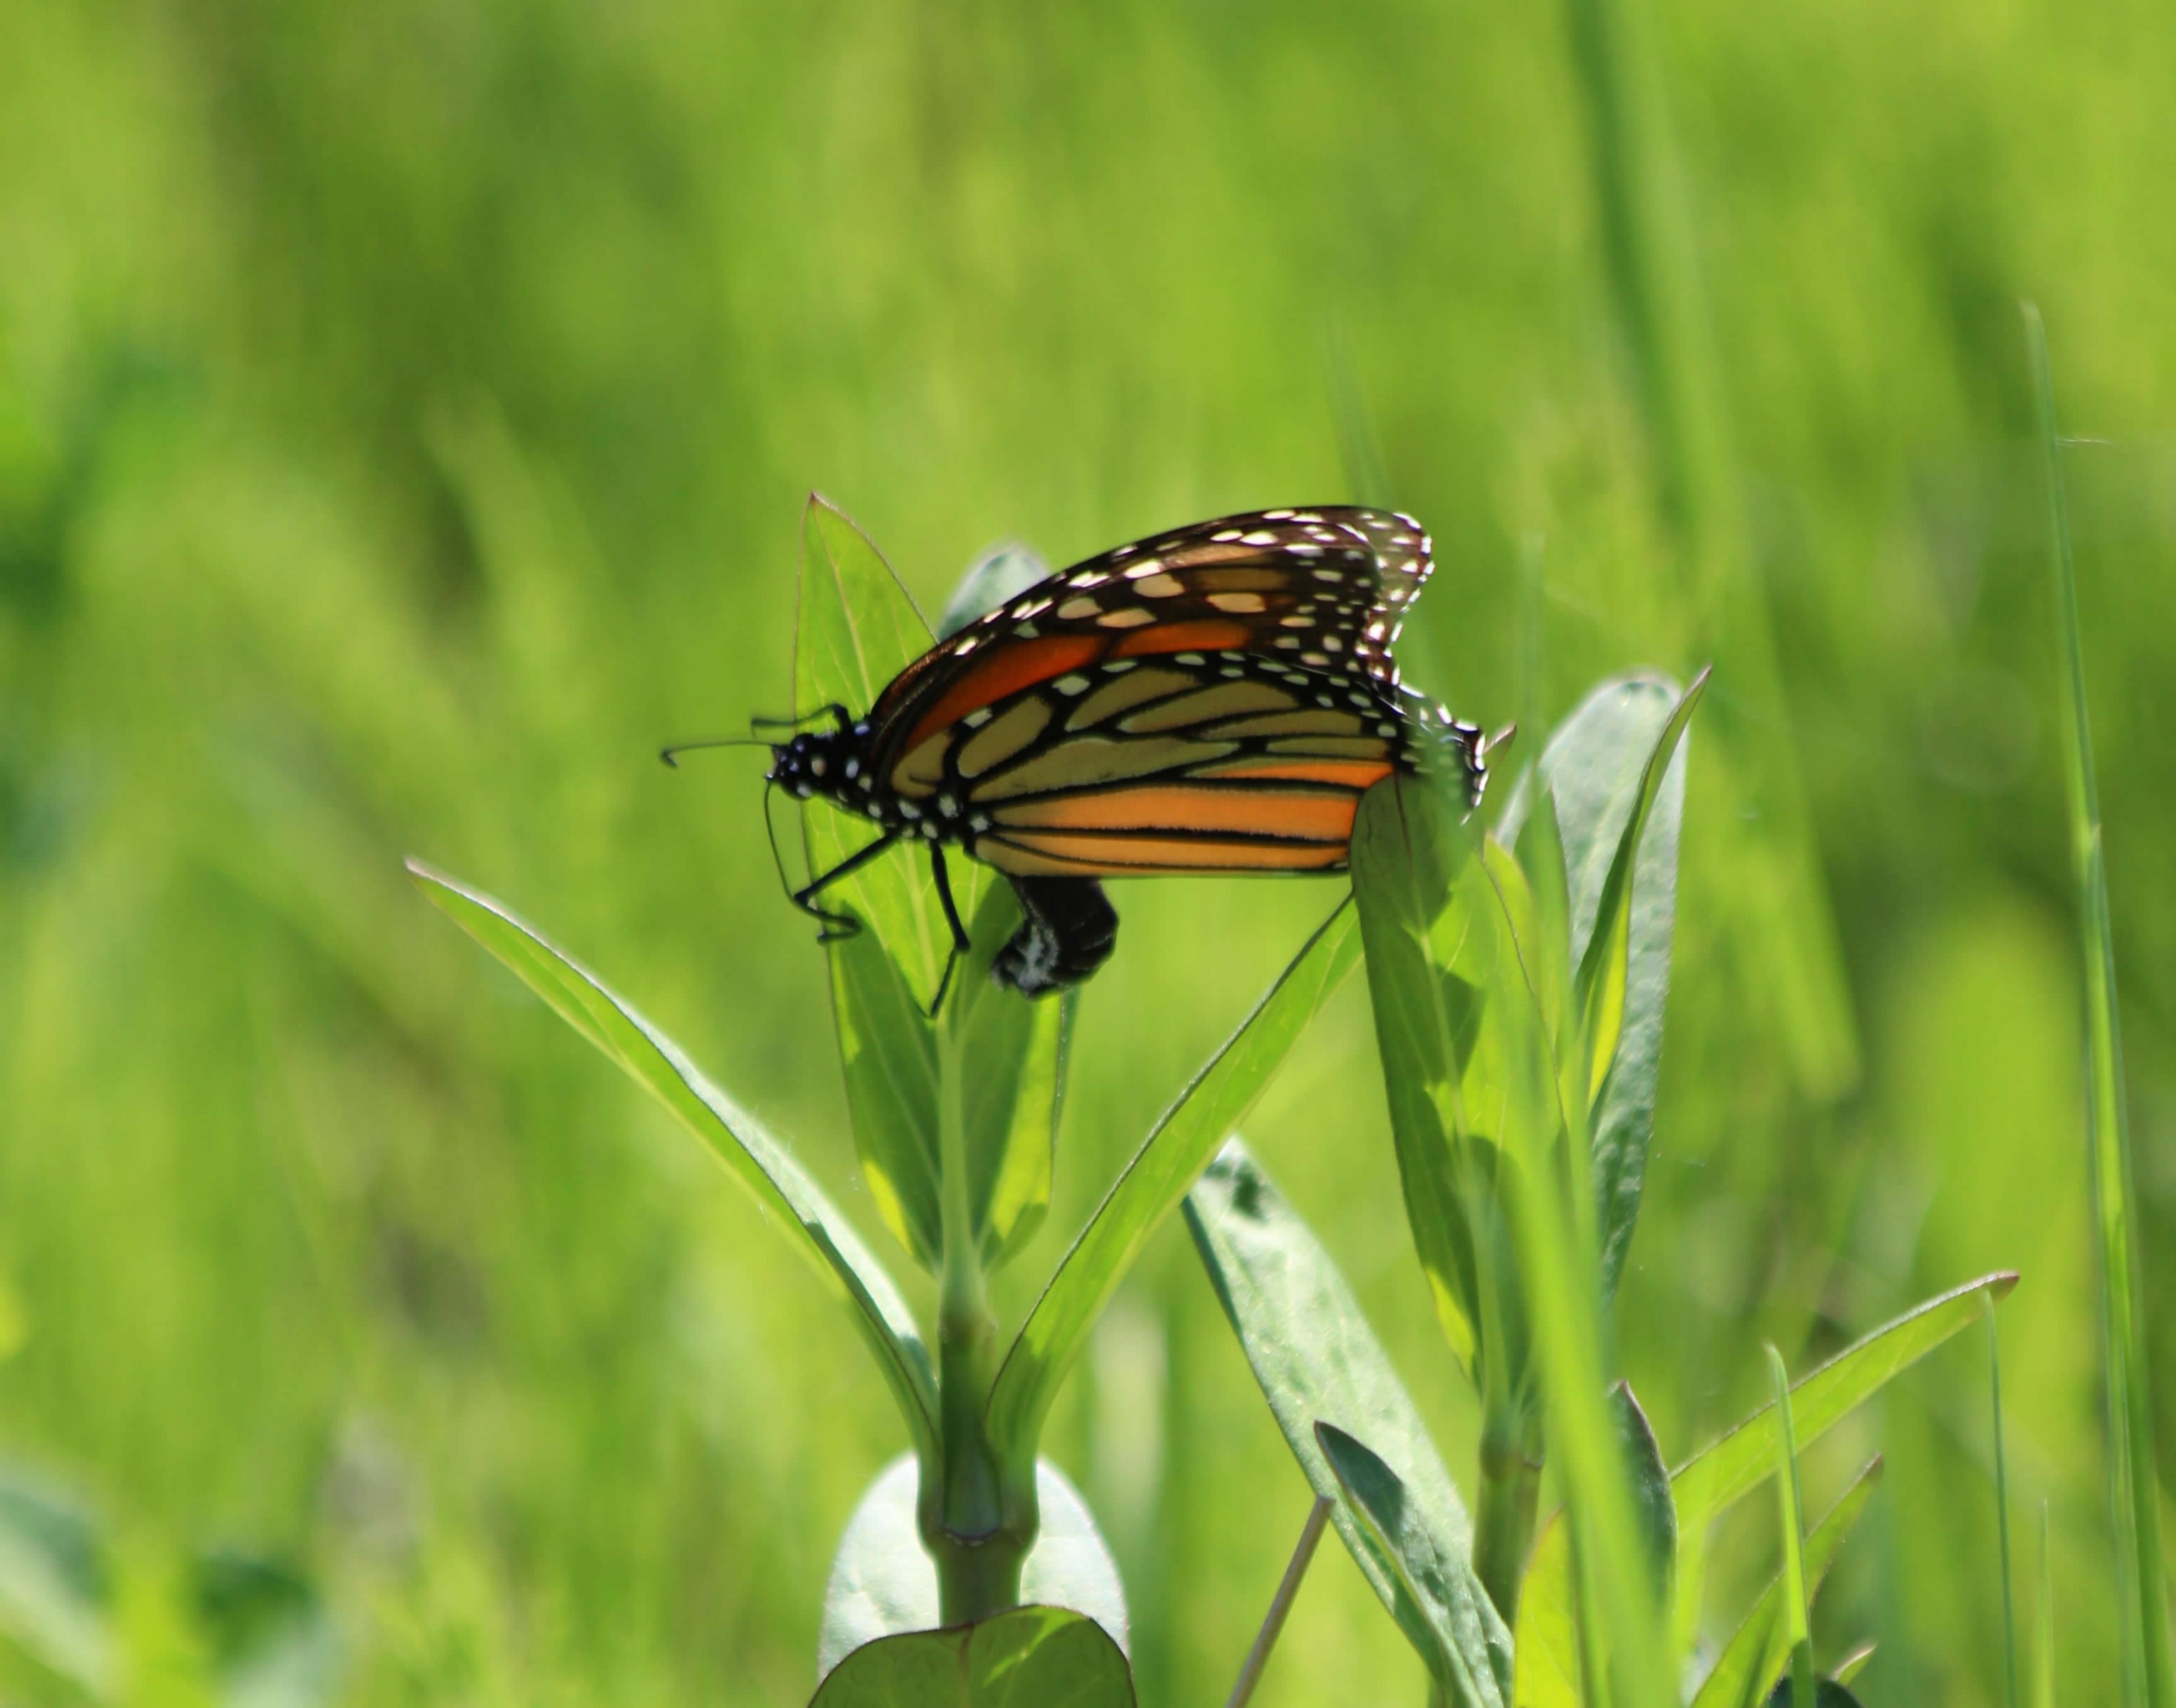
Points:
1504	1504
1273	1622
977	1538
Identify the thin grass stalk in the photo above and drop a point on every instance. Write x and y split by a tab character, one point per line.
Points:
1791	1501
2002	1510
1621	1618
1273	1623
2133	1495
2043	1626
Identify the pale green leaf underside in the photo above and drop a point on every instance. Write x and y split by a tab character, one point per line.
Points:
1318	1361
1594	767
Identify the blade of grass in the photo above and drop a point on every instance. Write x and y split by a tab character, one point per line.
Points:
1791	1511
2002	1510
1741	1461
749	1152
2141	1596
1169	1160
2043	1655
1755	1656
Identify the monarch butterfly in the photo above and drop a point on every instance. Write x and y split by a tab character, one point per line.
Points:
1215	699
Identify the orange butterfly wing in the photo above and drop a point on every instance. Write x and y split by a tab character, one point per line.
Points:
1217	698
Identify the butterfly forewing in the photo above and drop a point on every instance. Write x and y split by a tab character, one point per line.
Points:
1213	698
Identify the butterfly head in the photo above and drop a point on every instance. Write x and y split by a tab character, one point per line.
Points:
820	761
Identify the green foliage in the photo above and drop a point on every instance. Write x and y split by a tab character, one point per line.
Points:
1027	1658
1517	1044
1721	1474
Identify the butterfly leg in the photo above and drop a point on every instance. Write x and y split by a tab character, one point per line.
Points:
1068	931
952	918
839	925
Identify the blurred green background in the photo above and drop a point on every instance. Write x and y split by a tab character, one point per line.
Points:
405	414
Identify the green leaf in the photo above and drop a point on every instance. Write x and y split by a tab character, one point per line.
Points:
1318	1361
883	1583
1658	1510
1214	1101
888	1051
1757	1653
991	579
1598	768
1852	1664
749	1152
858	628
1031	1657
1433	1576
1436	947
1010	1055
1744	1459
1548	1645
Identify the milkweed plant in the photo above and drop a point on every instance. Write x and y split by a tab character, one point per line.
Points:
1518	961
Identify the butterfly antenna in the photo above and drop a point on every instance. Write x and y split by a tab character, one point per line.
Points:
834	711
1501	738
671	755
